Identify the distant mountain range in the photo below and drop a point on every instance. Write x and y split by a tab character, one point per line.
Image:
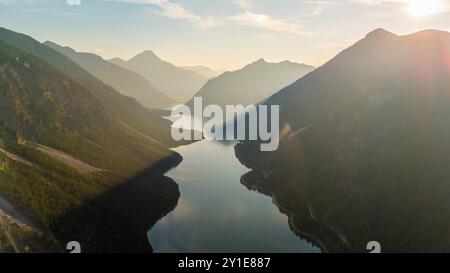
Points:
70	151
204	71
252	84
173	81
364	152
125	81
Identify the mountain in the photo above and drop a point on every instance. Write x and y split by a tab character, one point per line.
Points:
79	160
126	82
364	146
173	81
252	84
125	109
204	71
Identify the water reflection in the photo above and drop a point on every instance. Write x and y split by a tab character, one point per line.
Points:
216	213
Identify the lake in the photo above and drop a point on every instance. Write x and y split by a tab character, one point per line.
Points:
216	213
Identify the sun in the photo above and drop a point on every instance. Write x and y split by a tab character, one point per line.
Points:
425	8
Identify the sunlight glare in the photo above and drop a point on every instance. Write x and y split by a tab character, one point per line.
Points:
425	8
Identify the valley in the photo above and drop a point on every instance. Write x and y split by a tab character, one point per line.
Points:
358	152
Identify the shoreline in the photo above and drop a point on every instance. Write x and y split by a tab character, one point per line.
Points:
297	231
118	220
323	236
319	233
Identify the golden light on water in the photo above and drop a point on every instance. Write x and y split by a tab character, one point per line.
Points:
425	8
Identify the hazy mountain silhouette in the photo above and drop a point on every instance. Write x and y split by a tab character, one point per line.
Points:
204	71
365	145
252	84
125	81
173	81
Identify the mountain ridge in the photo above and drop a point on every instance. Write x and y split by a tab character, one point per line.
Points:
53	112
377	123
123	108
127	82
170	79
252	84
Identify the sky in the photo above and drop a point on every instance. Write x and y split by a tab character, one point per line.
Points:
221	34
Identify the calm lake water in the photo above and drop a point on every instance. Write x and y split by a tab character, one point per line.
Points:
216	213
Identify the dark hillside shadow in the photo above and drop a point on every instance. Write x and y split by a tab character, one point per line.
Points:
118	221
